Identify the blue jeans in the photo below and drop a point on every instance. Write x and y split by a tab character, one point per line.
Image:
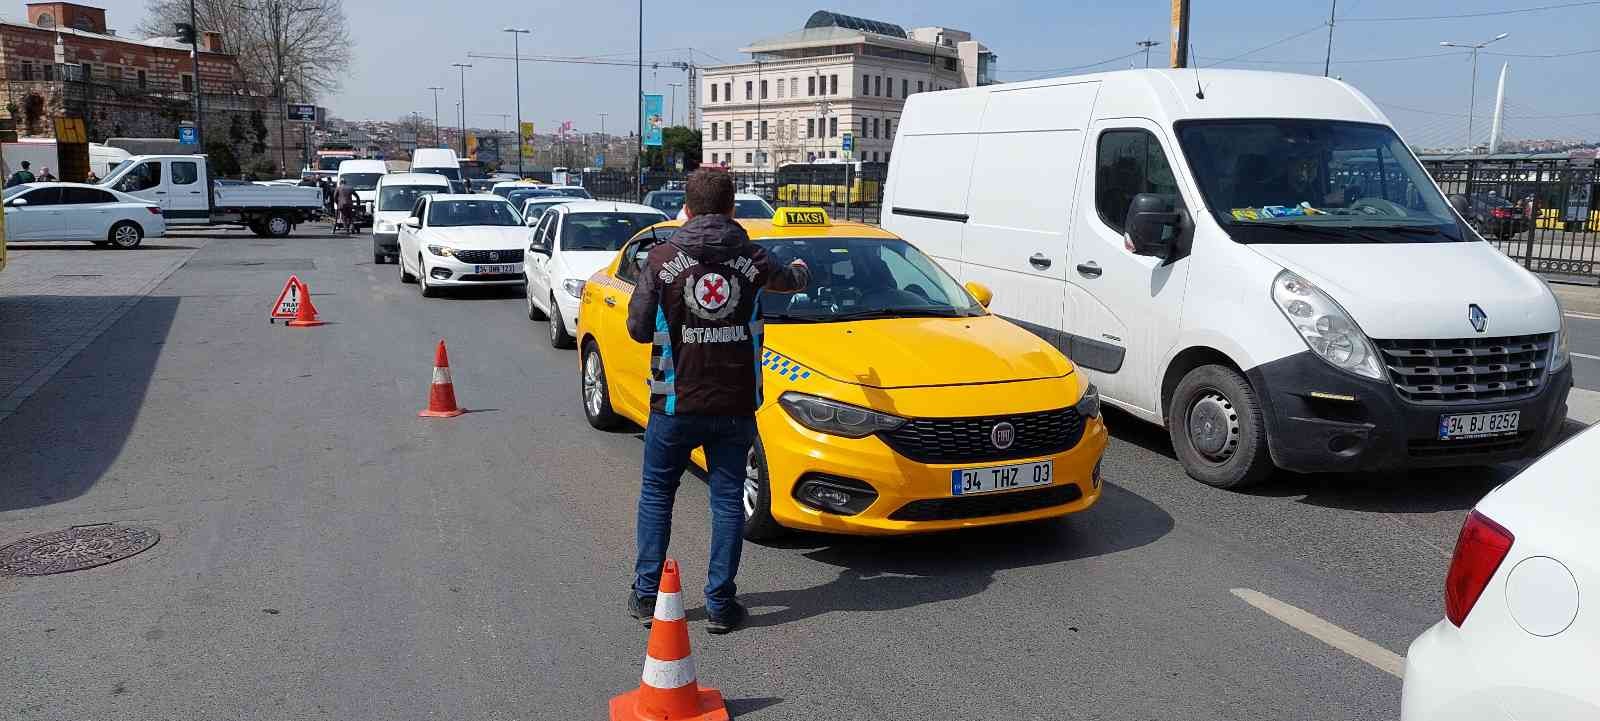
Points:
667	443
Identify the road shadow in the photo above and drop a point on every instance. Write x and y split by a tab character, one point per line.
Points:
899	572
61	440
740	706
488	292
86	245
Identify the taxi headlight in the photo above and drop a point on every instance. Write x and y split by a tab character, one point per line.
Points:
445	251
1328	331
835	418
573	287
1088	405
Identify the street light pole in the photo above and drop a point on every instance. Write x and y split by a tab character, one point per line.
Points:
516	55
1472	96
436	115
638	101
463	67
194	54
673	111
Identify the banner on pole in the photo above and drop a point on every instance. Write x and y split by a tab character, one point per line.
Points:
652	120
527	138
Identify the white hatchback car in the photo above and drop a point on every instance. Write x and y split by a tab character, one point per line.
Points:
1516	643
461	240
75	211
571	242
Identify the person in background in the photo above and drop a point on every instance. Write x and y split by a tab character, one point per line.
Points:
46	177
21	176
697	303
91	178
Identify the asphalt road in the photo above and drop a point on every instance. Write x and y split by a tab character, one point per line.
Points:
1584	344
327	554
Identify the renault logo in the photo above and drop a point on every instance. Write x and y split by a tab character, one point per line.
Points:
1478	318
1002	435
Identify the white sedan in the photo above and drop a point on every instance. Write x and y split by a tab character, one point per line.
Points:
461	240
75	211
571	242
1516	643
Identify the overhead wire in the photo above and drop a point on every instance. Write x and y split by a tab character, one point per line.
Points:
1463	16
1273	44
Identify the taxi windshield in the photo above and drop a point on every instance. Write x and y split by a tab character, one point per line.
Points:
451	213
864	278
1314	181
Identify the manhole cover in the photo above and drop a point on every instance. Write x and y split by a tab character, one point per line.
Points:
74	549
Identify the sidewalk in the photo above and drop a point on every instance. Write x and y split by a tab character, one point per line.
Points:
56	298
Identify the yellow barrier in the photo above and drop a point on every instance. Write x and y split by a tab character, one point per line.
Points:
1551	218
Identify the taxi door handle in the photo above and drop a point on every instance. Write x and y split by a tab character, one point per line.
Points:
1090	269
611	301
1038	260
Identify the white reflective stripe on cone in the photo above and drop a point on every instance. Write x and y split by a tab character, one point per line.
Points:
441	375
669	607
668	674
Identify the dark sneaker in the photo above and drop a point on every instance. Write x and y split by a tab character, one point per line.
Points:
642	608
732	618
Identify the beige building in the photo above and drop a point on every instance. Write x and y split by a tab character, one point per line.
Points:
801	92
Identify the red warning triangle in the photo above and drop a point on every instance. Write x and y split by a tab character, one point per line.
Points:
288	300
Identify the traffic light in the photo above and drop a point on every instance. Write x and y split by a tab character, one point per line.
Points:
185	33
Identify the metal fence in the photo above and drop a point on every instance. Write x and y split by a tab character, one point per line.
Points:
859	198
1558	235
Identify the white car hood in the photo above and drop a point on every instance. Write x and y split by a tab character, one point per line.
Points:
581	264
1422	290
478	237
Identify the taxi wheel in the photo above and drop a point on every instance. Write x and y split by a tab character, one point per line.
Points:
1217	429
596	395
559	337
759	525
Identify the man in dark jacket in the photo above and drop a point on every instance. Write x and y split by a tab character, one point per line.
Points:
21	176
698	304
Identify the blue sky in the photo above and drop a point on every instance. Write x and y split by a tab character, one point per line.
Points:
403	47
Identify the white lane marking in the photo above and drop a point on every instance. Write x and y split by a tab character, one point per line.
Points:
1584	355
668	674
1582	316
1379	657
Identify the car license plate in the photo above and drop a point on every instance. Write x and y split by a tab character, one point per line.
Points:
1478	425
970	481
495	269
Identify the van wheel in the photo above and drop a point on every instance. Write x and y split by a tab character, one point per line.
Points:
759	525
596	394
126	235
1217	429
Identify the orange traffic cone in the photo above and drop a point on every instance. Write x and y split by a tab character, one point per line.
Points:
305	315
668	690
442	394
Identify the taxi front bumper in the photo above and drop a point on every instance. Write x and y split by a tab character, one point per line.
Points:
912	496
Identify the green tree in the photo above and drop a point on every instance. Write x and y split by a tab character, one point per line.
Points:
258	125
224	162
236	133
676	139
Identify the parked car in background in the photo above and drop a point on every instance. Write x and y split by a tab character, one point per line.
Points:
397	196
570	243
667	201
534	208
1492	215
1515	642
456	240
75	211
745	205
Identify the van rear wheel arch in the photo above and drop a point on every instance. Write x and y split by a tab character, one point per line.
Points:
1187	360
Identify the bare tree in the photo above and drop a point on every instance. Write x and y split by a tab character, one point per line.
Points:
292	48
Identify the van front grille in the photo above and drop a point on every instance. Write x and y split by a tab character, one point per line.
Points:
1466	370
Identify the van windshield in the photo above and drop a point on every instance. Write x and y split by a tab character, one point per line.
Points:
361	181
404	197
451	173
1315	181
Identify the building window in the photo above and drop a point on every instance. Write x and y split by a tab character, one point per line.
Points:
833	127
749	90
713	132
866	84
811	85
890	82
833	154
919	86
833	84
763	130
713	96
188	83
49	71
763	90
794	87
749	158
780	88
727	91
811	127
727	130
794	128
905	85
877	85
874	127
88	72
749	130
27	70
888	128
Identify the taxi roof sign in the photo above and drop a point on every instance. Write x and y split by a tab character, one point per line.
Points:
800	218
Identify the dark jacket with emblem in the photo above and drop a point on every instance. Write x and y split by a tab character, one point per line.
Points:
698	305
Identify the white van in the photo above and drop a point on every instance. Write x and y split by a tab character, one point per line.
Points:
397	197
363	175
439	161
43	153
1255	260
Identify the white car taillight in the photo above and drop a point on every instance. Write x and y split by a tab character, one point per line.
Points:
1480	549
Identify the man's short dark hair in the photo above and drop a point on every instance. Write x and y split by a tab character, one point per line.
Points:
708	192
25	165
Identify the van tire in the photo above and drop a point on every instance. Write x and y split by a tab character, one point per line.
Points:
759	525
1231	452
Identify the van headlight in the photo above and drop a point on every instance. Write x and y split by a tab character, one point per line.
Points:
1558	352
384	226
1325	327
835	418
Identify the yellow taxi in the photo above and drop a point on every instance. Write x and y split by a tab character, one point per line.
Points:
893	402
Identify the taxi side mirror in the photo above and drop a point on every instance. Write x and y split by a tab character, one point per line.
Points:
980	292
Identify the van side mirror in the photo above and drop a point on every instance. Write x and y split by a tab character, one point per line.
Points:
980	292
1152	225
1461	204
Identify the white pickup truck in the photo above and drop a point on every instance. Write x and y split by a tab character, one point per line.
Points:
189	197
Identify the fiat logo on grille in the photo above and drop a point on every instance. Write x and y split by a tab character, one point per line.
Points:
1002	435
494	255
